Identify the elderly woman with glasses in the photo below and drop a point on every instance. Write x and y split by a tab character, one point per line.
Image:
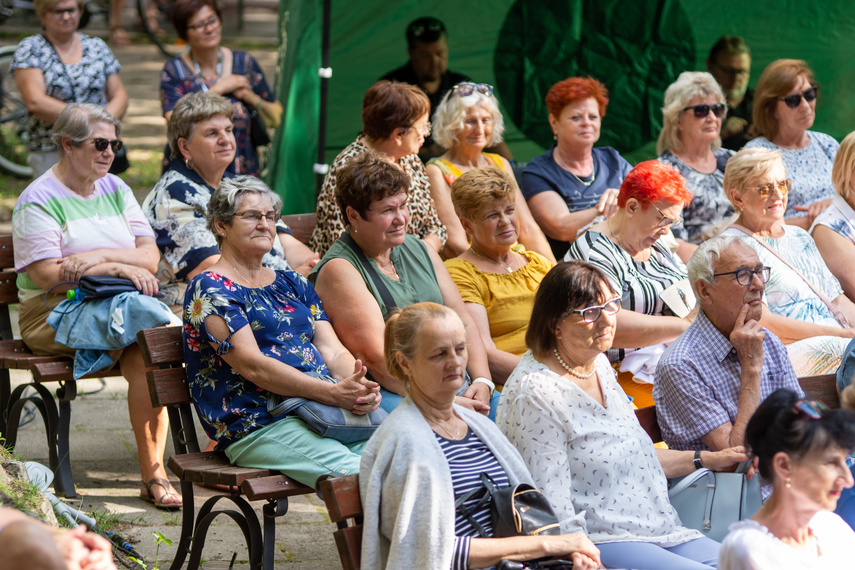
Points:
802	448
784	111
465	122
629	248
690	141
579	437
76	220
208	66
805	305
573	184
394	125
60	66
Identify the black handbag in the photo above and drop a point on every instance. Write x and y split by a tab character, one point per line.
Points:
520	510
120	161
257	131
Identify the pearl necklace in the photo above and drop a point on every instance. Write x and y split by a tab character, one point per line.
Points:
570	370
585	183
508	268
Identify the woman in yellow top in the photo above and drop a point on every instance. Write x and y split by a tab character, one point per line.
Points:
466	122
497	281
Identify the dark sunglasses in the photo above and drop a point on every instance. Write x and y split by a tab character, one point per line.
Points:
420	29
745	276
466	89
793	101
102	144
701	111
810	408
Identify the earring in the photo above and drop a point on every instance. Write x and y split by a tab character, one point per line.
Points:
789	483
554	137
188	163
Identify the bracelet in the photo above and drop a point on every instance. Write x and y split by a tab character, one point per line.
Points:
489	383
697	460
260	103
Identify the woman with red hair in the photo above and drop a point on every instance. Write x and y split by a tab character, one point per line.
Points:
573	184
629	249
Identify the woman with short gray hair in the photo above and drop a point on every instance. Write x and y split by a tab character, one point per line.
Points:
201	137
76	220
466	122
690	141
60	66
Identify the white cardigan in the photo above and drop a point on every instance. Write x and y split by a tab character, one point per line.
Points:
406	489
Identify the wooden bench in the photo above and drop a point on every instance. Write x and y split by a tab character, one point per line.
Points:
14	355
162	348
301	225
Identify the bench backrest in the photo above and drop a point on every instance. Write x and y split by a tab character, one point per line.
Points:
301	225
162	347
341	495
8	285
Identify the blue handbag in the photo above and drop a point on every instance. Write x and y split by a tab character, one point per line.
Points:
710	502
325	420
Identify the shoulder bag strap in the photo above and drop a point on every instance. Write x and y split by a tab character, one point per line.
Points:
64	70
834	310
375	277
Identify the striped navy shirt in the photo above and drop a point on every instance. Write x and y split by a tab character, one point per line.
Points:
467	459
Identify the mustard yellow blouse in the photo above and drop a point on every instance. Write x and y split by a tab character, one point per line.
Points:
508	297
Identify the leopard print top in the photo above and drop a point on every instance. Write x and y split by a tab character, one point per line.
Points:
423	217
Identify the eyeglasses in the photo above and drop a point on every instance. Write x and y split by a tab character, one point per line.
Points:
199	26
254	216
768	188
591	314
466	89
810	408
732	70
745	276
794	100
424	129
701	111
419	30
60	12
102	144
666	221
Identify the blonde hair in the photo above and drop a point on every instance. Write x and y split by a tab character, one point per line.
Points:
689	85
844	166
402	333
749	164
478	186
449	119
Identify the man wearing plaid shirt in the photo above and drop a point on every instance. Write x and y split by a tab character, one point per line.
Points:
711	379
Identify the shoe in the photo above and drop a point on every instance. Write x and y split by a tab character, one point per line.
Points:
169	493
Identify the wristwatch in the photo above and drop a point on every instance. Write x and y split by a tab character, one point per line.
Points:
697	460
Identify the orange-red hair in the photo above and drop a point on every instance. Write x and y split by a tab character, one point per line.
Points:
653	181
575	89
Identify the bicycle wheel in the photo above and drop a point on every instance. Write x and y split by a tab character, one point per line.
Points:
13	121
154	16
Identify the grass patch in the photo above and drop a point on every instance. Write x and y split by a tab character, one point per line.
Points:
22	495
112	522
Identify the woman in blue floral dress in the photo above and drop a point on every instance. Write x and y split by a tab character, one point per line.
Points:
252	333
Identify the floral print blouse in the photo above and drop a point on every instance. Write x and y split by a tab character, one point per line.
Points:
282	316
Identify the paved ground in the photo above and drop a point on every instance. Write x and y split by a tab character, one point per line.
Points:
102	445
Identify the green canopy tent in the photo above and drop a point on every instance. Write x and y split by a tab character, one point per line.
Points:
637	48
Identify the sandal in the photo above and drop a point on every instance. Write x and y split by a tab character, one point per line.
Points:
168	495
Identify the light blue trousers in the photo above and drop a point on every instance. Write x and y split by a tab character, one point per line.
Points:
289	446
697	554
391	400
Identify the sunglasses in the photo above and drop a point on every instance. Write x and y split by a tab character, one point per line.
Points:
420	29
768	188
793	101
102	144
591	314
745	276
466	89
811	408
666	221
701	111
60	12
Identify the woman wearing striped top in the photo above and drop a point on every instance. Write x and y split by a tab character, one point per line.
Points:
429	452
629	248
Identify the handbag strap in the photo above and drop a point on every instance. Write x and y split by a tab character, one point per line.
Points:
841	319
64	69
375	277
486	495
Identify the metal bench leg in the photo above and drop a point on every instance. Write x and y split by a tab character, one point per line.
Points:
274	508
246	520
188	521
64	481
5	393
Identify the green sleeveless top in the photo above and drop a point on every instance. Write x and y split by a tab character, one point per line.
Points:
418	282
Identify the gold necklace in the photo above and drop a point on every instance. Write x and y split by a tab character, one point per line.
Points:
585	183
439	425
392	265
251	284
508	268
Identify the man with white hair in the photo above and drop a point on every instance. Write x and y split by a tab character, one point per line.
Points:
713	377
